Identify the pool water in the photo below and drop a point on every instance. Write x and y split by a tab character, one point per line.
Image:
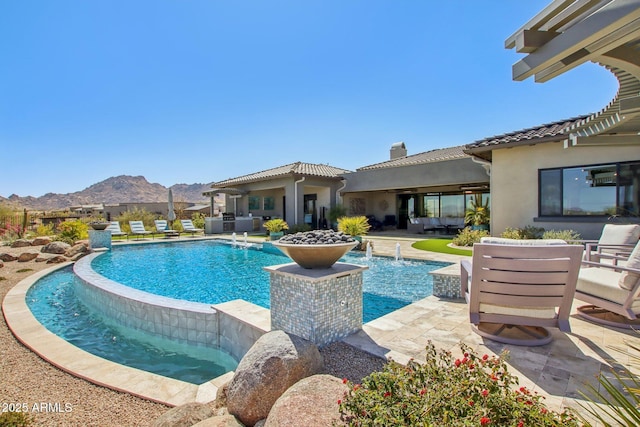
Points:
208	272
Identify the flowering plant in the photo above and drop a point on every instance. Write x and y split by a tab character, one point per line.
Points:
469	391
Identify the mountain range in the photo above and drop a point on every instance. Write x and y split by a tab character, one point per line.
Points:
117	189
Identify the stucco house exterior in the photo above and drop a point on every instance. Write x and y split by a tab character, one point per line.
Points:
584	172
299	193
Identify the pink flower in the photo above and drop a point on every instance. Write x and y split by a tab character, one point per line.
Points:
422	392
484	421
485	392
387	394
485	357
344	381
457	362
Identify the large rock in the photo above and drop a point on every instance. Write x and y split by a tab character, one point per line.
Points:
27	256
21	243
7	257
310	402
220	421
273	364
41	241
58	248
77	249
56	259
184	415
1	263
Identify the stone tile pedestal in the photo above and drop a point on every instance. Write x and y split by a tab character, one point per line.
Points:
99	239
320	305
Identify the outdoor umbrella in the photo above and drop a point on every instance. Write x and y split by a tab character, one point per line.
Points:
171	215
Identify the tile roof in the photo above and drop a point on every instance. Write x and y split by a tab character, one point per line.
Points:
527	136
437	155
297	168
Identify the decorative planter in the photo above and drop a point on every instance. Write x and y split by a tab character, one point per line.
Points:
99	225
275	235
315	256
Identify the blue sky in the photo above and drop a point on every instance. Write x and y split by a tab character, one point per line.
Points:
197	91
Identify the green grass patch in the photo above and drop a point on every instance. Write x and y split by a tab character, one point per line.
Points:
24	270
440	245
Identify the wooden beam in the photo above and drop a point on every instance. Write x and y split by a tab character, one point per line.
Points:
609	140
530	40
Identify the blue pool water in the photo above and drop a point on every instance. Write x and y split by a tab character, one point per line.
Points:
209	272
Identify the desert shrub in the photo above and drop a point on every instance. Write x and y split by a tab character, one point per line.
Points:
44	230
137	214
567	235
198	219
467	236
10	233
72	231
15	419
528	232
177	225
276	225
469	391
354	225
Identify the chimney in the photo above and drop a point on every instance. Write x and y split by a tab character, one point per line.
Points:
398	150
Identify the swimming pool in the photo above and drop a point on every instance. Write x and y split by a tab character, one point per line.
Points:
208	272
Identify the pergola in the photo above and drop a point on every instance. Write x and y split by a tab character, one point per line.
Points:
568	33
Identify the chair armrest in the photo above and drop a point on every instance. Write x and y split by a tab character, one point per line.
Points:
614	267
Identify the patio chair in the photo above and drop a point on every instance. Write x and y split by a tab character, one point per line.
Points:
137	229
615	240
188	227
162	226
114	228
515	290
611	291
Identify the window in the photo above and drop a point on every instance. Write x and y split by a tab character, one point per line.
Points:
599	190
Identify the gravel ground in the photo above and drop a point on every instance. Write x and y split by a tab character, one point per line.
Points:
56	398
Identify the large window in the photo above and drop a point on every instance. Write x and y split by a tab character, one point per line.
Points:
600	190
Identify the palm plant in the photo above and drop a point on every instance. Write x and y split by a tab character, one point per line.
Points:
478	213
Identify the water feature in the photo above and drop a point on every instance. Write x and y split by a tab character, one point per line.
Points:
368	252
233	238
245	238
398	254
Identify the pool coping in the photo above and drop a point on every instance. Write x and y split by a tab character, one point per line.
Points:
69	358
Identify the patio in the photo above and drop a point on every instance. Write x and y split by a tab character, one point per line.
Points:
558	370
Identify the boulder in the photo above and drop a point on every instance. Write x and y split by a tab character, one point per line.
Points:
58	248
27	256
220	421
77	249
41	241
56	259
7	257
273	364
184	415
21	243
312	401
1	264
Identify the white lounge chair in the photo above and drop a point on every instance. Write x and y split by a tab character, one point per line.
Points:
114	228
615	239
517	289
188	227
612	292
163	227
137	229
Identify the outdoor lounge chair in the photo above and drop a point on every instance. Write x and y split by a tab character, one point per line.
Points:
137	229
612	292
616	239
188	227
114	228
515	289
163	227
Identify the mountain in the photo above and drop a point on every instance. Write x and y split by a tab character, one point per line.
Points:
117	189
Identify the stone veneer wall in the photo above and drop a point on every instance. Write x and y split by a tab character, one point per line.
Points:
99	239
322	306
446	282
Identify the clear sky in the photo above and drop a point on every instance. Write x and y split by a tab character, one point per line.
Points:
198	91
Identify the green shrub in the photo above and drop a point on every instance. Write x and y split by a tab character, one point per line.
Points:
15	419
136	214
567	235
529	232
467	236
354	225
72	231
276	225
44	230
470	391
198	220
10	233
300	228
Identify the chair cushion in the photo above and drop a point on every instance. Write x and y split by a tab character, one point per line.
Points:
628	279
536	312
522	242
619	234
603	283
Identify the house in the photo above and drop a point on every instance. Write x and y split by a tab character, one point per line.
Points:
580	173
300	193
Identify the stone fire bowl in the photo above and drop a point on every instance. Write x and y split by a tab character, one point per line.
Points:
315	256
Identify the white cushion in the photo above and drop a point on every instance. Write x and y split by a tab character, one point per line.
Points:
628	279
603	283
620	234
521	242
536	312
